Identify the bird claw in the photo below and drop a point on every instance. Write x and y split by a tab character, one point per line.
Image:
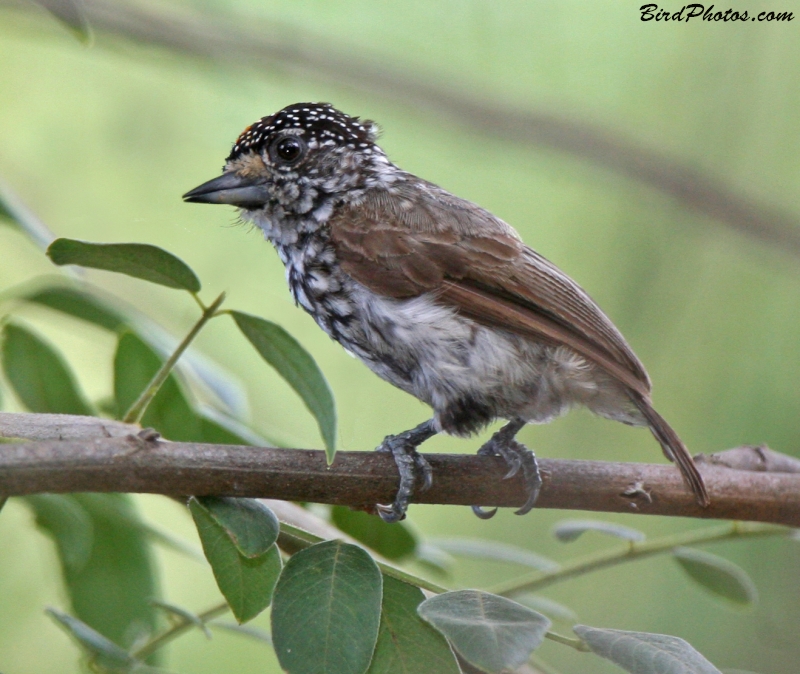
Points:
423	468
515	463
517	457
487	449
531	475
484	514
389	513
411	465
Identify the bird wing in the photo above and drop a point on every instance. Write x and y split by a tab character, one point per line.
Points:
420	239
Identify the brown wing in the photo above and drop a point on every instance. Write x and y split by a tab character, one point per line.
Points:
404	244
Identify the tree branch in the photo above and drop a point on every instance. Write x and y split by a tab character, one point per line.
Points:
361	479
62	427
274	47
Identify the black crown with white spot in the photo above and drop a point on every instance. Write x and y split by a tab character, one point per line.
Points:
317	121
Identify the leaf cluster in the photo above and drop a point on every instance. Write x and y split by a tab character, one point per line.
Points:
335	608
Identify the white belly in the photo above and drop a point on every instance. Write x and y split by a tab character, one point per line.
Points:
439	356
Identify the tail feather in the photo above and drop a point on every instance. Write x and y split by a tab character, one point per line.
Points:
674	449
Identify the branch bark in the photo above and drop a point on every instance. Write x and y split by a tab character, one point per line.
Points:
273	47
361	479
62	427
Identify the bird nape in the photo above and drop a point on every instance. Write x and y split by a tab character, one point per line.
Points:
433	293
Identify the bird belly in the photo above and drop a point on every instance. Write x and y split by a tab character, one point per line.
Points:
469	373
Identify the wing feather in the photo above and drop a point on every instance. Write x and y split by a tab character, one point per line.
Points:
403	245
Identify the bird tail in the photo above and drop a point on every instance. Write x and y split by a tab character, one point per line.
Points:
674	449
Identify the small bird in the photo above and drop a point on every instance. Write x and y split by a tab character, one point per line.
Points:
433	293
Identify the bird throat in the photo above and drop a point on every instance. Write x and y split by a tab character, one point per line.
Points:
315	279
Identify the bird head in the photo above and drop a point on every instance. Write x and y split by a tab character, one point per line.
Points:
294	160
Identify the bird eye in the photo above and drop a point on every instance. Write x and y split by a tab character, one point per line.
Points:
288	150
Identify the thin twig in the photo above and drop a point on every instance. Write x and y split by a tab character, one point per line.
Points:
605	558
173	632
136	412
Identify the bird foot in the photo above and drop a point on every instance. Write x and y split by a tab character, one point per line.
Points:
412	468
517	457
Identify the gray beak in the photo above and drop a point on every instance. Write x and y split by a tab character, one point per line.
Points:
231	189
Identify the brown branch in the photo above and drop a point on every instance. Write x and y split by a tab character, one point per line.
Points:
361	479
269	47
61	427
752	457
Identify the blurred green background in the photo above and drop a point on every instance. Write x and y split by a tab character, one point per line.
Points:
100	141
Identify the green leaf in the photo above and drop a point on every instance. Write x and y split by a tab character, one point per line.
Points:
406	644
78	304
139	260
552	609
71	14
645	653
252	527
297	367
39	375
247	583
61	517
568	530
111	590
326	612
135	364
101	651
467	668
500	552
490	632
393	541
68	524
718	575
218	428
217	434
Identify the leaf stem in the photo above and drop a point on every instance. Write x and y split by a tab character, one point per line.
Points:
200	304
181	626
577	644
297	539
136	412
606	558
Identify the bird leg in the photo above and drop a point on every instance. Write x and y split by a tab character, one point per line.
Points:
411	466
516	456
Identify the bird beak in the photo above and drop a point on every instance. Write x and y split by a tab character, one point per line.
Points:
232	189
